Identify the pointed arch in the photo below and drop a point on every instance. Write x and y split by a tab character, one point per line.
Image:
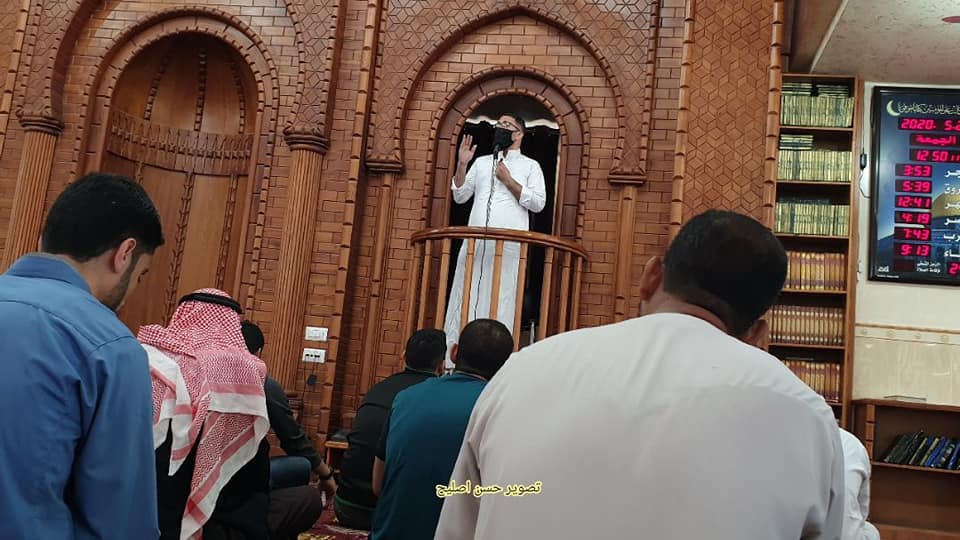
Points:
459	104
454	35
101	84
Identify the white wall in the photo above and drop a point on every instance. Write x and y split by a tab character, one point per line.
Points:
907	336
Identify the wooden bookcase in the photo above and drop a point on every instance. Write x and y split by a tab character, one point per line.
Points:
816	220
918	503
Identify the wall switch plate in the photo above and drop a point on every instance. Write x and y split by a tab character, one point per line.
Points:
315	333
314	355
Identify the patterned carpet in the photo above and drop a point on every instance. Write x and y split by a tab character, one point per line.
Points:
327	528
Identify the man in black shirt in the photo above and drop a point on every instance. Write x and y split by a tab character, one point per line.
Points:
292	510
355	501
292	438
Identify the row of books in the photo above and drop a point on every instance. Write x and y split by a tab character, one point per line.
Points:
796	141
816	105
816	271
812	216
923	450
814	165
807	325
823	378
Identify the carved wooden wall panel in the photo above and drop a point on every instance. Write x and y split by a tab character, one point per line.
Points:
178	124
772	125
174	148
594	53
13	18
117	31
616	34
105	29
9	17
723	111
75	51
150	301
13	22
555	97
311	23
448	89
316	23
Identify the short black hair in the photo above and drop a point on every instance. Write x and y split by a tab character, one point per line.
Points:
518	118
484	346
96	213
727	263
426	349
253	336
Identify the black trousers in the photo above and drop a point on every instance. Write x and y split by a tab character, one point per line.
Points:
352	517
293	511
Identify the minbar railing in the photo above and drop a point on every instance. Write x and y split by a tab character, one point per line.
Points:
434	255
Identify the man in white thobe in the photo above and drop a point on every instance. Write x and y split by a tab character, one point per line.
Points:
857	466
672	425
503	194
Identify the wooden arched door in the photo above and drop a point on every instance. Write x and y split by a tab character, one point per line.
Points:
181	122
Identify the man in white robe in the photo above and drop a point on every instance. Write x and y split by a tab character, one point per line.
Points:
503	194
670	426
857	466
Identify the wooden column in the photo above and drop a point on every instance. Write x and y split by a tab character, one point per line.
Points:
683	124
371	340
361	120
33	179
10	83
622	278
303	191
521	289
546	295
772	145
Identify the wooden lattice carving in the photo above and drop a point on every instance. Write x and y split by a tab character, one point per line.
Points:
171	148
722	124
617	33
563	104
117	53
772	128
316	23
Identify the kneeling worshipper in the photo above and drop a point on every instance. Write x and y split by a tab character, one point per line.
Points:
209	426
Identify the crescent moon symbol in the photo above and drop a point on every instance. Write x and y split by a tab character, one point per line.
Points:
890	109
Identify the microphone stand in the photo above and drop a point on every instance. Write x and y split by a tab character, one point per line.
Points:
486	224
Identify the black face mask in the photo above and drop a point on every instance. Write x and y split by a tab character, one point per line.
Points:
502	138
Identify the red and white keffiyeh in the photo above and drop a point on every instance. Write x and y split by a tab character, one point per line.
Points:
204	377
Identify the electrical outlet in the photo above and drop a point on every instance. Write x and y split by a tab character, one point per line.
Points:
314	355
315	333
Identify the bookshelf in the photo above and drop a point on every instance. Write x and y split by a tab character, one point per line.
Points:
815	219
916	501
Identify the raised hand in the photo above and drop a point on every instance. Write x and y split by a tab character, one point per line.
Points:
467	149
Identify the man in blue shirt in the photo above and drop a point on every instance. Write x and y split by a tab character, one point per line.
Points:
77	441
424	431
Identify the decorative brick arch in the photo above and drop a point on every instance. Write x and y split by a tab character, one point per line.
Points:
56	32
101	85
572	163
157	26
454	35
52	33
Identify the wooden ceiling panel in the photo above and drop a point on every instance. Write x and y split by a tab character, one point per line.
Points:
903	41
811	20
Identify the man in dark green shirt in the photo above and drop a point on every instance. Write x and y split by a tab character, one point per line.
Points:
355	500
